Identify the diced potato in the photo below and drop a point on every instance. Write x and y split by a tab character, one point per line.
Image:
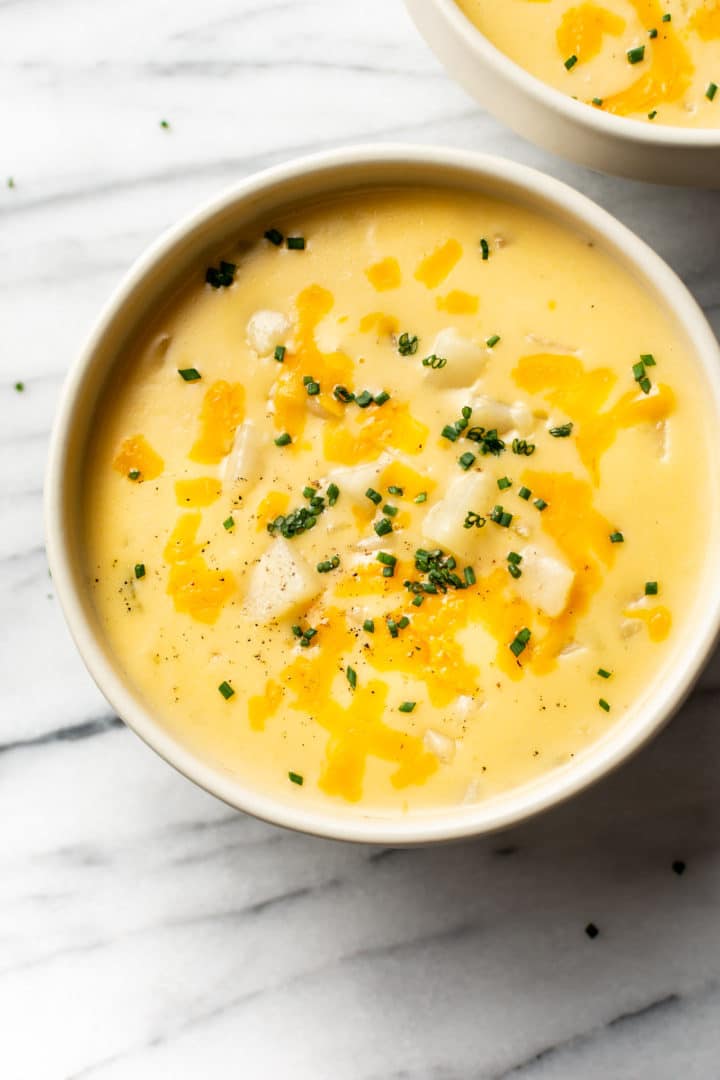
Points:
243	463
280	583
545	581
266	330
354	480
444	523
465	360
489	413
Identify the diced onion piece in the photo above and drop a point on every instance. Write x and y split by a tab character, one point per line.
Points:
545	582
444	522
465	360
242	465
266	330
280	583
440	745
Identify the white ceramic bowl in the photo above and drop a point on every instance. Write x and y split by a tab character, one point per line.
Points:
147	283
614	144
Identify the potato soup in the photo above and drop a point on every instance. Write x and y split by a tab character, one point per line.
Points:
399	503
654	60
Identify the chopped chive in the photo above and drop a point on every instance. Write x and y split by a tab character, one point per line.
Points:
636	55
19	386
392	627
513	557
274	236
383	526
667	17
418	600
485	248
139	570
373	495
562	431
617	538
450	432
504	482
638	371
407	345
571	62
296	243
407	706
603	673
386	558
604	704
221	277
652	115
597	101
134	474
395	490
381	398
591	930
434	362
514	571
279	353
520	641
327	565
492	341
525	493
226	690
421	497
229	523
343	394
466	460
473	520
364	399
333	493
369	626
312	388
296	778
388	571
189	374
283	440
297	631
645	385
540	504
522	446
351	676
309	492
403	622
648	359
653	32
469	575
651	588
711	91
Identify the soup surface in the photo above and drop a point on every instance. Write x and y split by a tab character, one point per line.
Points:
654	60
390	506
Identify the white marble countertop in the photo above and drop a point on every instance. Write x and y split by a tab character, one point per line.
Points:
147	931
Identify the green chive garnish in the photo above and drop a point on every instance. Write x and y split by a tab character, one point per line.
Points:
351	676
421	497
394	490
571	62
418	601
328	564
369	626
134	474
333	493
540	504
279	353
617	538
229	523
504	482
189	374
343	394
711	91
524	493
469	575
19	386
653	33
407	706
485	248
373	495
312	388
513	557
519	643
274	236
296	778
648	359
383	526
651	588
407	345
562	431
603	673
139	570
604	704
667	17
492	341
652	115
364	399
636	55
466	460
226	690
381	398
296	243
283	440
597	101
386	558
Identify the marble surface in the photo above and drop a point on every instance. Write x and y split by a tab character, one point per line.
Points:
147	931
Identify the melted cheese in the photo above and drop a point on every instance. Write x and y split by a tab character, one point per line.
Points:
337	672
668	84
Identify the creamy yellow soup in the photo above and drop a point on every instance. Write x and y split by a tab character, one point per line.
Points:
392	511
654	60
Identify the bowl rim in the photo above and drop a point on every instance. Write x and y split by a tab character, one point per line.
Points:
510	808
625	128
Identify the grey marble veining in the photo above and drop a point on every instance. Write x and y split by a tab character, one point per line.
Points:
146	930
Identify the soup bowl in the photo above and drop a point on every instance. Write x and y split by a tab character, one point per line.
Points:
149	283
557	122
